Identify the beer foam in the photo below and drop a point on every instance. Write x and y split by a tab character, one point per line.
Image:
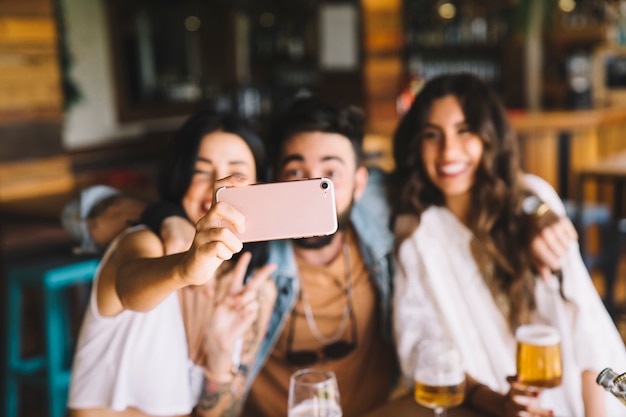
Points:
537	335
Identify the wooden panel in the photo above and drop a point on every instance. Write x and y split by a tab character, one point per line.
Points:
539	156
381	77
383	31
382	116
18	30
35	178
29	84
30	139
383	41
26	8
29	67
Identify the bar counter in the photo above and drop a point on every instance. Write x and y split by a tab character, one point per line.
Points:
557	144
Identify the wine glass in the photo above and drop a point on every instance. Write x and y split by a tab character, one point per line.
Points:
440	377
314	393
538	356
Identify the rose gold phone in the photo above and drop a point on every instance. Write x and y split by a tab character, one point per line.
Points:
284	210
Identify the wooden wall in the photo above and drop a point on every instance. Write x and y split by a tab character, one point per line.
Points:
383	42
31	102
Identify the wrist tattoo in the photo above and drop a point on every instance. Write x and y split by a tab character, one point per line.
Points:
232	410
213	393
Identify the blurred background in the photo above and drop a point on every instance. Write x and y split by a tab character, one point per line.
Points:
91	90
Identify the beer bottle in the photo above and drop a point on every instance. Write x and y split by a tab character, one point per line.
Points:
614	383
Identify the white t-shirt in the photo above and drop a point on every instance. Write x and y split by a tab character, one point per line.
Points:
439	288
134	359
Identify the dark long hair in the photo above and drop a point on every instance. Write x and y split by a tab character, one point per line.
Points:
178	166
501	241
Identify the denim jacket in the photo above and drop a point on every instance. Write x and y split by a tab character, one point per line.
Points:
370	217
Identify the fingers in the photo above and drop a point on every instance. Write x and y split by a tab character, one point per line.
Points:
522	400
259	277
225	211
249	313
250	291
220	215
211	230
235	180
523	390
213	233
539	412
552	243
561	234
568	228
239	273
221	244
542	255
544	272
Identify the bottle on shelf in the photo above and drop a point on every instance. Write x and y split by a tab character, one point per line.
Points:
614	383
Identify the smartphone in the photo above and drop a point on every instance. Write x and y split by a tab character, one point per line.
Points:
284	210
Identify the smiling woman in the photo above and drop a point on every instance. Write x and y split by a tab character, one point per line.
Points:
466	267
191	304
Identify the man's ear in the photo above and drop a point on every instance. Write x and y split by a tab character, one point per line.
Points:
360	182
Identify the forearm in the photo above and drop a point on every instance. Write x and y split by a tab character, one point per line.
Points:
593	395
480	397
221	399
143	283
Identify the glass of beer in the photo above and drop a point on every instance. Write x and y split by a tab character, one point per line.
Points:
313	393
440	377
538	356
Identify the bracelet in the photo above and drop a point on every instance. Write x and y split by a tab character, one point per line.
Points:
471	392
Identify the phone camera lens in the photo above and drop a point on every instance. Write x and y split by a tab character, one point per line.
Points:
324	185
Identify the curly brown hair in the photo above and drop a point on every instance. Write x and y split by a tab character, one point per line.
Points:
501	242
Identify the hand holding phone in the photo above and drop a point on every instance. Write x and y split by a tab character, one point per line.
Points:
284	210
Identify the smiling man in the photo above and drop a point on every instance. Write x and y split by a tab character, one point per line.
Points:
334	291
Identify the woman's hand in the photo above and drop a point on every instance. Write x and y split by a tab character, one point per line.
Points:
522	401
236	308
551	241
213	243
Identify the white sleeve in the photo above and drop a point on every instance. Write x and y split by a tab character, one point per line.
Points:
546	193
596	341
415	317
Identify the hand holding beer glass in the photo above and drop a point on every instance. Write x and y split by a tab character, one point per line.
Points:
440	377
313	393
538	356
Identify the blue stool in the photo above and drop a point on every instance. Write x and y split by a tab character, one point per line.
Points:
51	369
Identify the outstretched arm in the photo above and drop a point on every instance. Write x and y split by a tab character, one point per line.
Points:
138	276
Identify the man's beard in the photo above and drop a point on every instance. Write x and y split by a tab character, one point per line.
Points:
318	242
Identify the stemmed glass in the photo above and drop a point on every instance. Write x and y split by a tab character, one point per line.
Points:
314	393
440	377
538	356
